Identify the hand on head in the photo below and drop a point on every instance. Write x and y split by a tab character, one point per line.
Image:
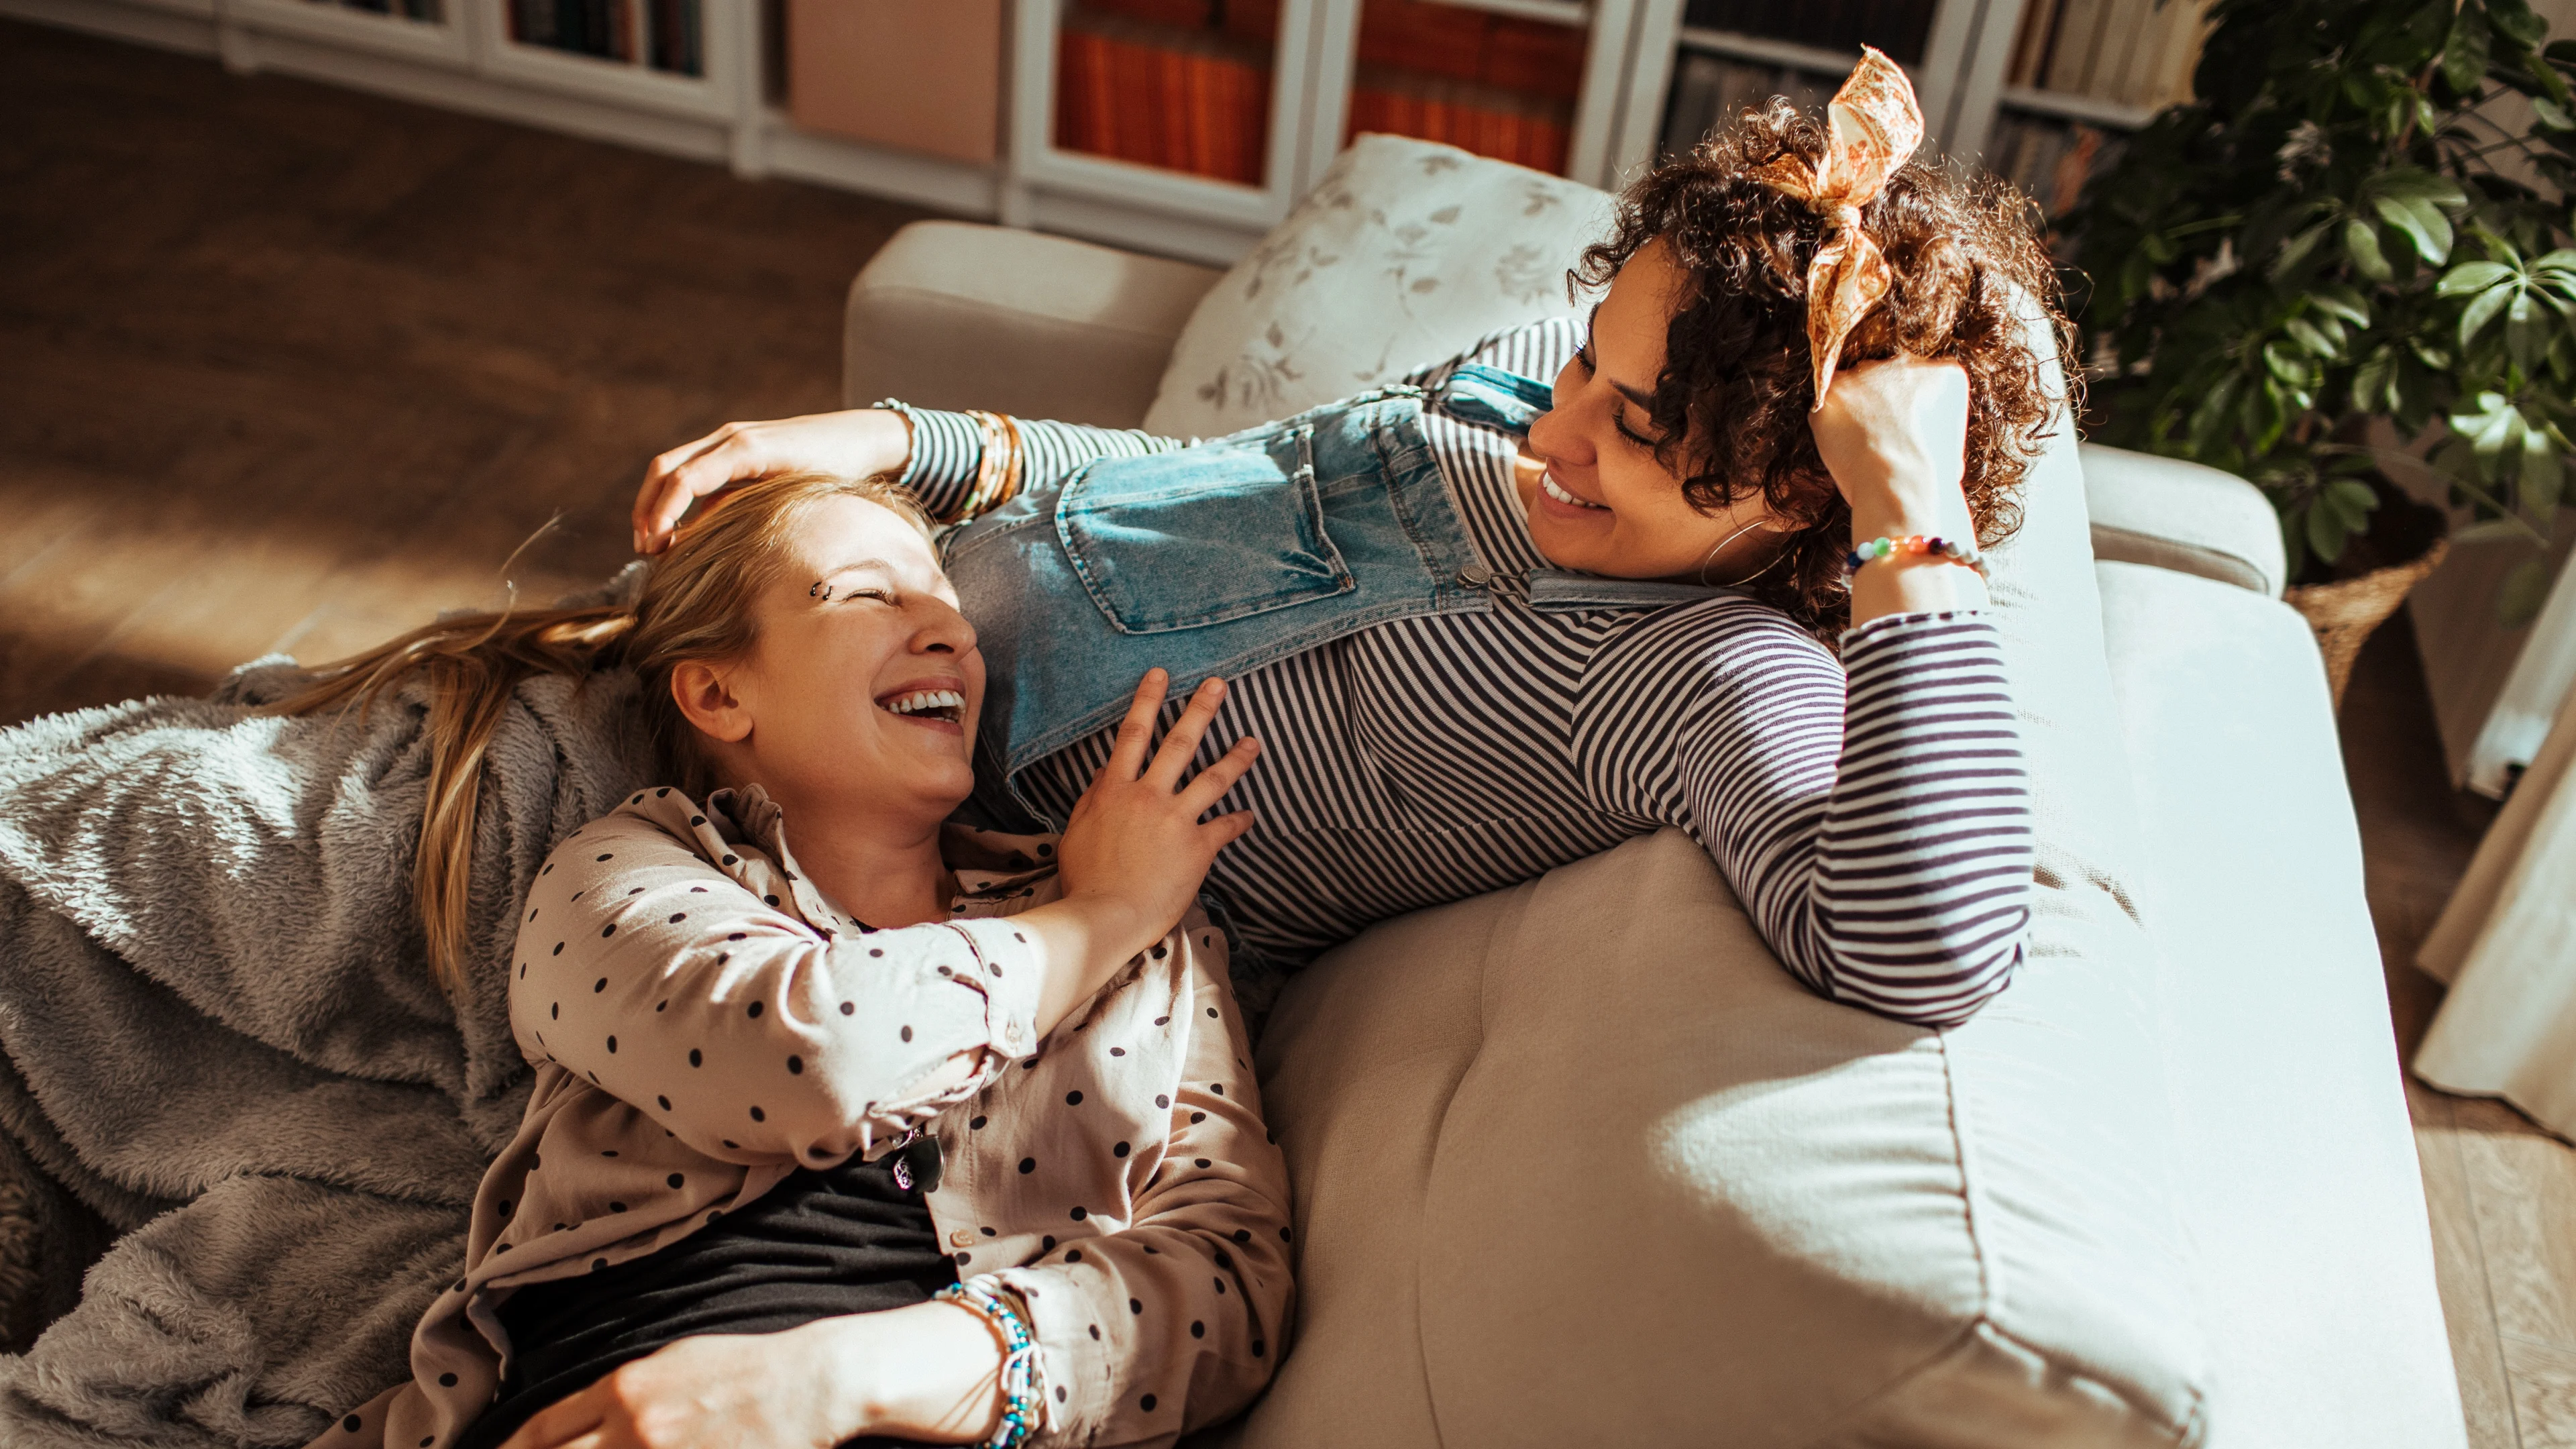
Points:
1895	435
859	443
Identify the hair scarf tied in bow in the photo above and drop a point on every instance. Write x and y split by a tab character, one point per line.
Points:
1875	126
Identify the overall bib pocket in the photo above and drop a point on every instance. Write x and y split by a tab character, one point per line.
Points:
1183	540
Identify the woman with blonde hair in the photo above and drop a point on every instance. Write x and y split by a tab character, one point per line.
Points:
906	1130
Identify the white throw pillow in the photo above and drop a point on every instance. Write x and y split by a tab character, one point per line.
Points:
1405	252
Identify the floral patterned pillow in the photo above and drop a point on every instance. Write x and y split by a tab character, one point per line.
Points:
1405	252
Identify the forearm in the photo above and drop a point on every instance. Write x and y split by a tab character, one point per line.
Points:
1081	942
1919	892
945	453
1913	583
931	1372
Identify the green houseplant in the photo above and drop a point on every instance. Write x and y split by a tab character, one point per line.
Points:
2350	222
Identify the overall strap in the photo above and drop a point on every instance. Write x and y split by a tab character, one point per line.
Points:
1490	397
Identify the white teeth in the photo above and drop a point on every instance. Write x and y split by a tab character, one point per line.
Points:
1547	482
922	701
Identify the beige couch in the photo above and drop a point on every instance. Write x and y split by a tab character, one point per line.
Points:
1578	1163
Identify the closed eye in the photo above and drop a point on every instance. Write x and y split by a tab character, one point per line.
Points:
1619	414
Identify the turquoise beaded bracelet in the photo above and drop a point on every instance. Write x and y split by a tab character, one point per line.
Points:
1023	1378
1930	545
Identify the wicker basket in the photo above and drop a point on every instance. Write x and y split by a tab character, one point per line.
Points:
2345	611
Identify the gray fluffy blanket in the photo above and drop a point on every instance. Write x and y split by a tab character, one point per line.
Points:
218	1030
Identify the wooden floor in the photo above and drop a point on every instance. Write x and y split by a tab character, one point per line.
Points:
288	368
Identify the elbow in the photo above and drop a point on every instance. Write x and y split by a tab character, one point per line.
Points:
1941	988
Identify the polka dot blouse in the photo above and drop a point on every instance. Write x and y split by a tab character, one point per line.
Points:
703	1022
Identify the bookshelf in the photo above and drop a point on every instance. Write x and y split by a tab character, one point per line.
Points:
1189	127
2039	91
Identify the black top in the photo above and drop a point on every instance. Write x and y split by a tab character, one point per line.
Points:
847	1239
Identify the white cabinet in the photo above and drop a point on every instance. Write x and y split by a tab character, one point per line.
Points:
1190	126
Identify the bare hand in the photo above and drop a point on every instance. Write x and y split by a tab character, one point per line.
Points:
745	1391
1135	836
853	444
1895	436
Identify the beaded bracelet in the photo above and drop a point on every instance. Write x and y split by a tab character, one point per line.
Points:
1932	545
1023	1377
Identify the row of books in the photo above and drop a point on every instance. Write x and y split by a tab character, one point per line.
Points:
1507	125
1899	27
2136	52
2049	158
428	10
670	33
1710	91
1191	100
1536	58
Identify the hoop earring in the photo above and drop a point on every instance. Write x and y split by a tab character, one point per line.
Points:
1721	544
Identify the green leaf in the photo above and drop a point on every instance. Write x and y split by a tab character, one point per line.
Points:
2297	249
2421	221
2361	244
2542	473
2497	428
2481	310
2309	337
2208	419
2514	21
2370	384
2519	597
2488	530
2525	339
2408	183
2285	364
2464	55
2342	301
2551	115
2470	277
2326	533
2353	499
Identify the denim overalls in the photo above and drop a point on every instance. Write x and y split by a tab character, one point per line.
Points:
1219	559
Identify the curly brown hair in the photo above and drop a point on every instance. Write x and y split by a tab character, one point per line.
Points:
1737	384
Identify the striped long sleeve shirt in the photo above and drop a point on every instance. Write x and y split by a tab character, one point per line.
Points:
1871	812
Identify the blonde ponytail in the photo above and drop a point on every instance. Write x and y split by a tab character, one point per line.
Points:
696	603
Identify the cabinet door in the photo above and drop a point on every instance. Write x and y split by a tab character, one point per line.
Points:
1731	54
1188	106
1535	82
433	32
673	56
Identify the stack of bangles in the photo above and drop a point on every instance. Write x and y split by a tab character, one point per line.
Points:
999	475
1949	550
1023	1380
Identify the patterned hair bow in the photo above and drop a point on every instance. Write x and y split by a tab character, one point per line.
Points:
1875	126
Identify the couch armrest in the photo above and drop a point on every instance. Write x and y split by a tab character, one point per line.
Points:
951	315
2182	516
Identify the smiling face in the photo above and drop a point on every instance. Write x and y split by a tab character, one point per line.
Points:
1598	499
863	687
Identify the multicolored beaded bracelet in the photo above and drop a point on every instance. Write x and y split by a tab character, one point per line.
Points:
1933	545
1023	1377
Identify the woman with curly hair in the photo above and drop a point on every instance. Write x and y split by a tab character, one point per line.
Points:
1722	574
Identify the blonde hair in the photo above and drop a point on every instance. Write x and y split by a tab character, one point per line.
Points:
695	604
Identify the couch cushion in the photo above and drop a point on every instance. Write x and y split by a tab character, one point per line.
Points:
2182	516
1578	1163
949	314
1404	252
2302	1191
